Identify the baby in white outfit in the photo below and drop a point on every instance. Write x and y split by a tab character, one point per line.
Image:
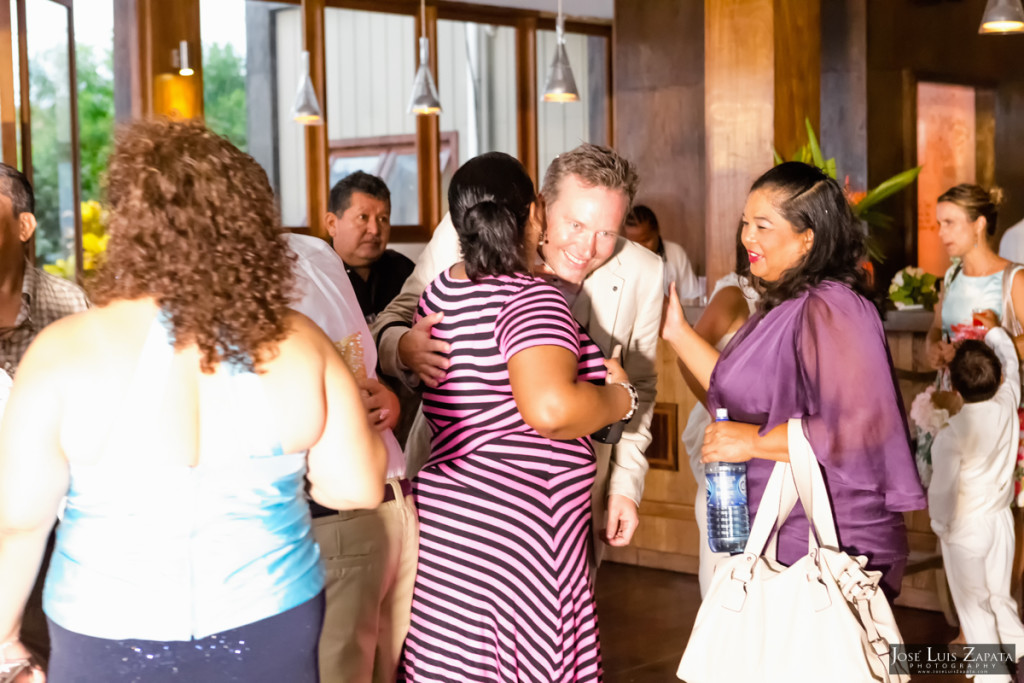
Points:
972	485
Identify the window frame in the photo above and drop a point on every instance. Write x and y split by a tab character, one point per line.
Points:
428	137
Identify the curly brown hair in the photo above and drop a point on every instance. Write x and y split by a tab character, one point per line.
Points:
193	224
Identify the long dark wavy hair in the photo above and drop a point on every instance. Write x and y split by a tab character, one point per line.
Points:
489	199
194	225
810	200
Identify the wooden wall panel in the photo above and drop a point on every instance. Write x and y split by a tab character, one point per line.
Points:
797	32
946	143
844	95
658	62
8	120
526	96
739	105
1008	136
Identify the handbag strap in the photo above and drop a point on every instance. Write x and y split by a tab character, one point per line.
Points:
1010	322
799	479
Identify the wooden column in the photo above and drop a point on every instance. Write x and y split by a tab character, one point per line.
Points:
8	122
313	37
844	92
131	83
428	136
161	27
526	95
797	37
658	65
762	73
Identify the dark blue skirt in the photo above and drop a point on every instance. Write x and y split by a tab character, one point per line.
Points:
279	648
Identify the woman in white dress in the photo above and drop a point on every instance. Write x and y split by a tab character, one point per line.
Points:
731	303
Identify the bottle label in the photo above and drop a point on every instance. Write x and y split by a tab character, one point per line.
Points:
727	488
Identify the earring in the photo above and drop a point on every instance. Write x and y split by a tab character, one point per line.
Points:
543	237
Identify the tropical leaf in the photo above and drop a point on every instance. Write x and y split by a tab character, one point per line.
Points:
876	219
812	142
875	251
889	187
830	167
778	157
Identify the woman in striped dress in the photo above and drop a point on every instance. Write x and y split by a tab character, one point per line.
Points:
502	591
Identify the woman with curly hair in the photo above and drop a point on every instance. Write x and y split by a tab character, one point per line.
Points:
181	417
813	350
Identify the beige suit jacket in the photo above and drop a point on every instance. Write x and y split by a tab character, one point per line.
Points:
620	303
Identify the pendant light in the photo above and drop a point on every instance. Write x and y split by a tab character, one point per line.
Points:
424	93
184	66
306	109
1002	17
561	86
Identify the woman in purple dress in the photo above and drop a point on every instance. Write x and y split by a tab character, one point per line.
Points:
815	350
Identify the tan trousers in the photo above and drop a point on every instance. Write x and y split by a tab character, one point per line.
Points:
370	561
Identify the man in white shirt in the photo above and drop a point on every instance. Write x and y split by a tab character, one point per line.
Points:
642	228
614	289
1011	245
369	555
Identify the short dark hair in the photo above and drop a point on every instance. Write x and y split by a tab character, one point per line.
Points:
341	193
811	200
642	213
15	186
975	371
489	199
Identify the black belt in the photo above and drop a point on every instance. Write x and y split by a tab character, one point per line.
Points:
404	485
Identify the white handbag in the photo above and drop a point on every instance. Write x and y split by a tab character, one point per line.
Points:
823	618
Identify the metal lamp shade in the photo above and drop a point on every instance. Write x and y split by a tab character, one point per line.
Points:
1002	16
561	86
424	98
306	108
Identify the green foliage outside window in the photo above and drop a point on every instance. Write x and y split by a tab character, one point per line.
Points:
225	107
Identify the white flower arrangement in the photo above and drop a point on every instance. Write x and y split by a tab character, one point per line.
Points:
913	287
926	415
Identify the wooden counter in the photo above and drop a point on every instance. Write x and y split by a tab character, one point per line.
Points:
668	536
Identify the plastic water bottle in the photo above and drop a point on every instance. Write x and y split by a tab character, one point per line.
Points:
728	515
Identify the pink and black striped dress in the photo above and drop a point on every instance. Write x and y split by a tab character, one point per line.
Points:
502	590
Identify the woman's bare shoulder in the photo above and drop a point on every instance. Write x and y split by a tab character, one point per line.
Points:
304	344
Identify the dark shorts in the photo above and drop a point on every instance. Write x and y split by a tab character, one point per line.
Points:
279	648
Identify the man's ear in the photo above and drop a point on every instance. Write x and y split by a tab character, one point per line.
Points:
26	226
330	223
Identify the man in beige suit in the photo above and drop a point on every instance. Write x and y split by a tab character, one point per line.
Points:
614	288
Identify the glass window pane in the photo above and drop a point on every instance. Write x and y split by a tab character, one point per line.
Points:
562	126
251	61
50	95
476	66
371	61
94	63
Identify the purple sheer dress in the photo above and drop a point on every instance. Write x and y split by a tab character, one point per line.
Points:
822	357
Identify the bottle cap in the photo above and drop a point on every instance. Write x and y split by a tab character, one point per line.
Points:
721	414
